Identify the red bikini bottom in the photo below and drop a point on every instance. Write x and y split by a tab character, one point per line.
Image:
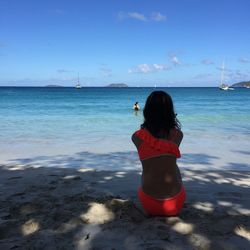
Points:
162	207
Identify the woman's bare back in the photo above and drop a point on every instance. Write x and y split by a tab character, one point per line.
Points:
161	176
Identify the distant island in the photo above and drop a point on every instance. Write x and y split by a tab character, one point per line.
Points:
53	86
242	84
117	85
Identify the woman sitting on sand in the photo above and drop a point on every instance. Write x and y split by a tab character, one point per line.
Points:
157	142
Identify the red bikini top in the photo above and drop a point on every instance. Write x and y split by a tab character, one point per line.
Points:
153	147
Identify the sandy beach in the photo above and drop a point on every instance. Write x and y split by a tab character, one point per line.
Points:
84	208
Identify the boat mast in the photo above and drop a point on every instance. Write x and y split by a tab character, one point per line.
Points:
222	73
78	79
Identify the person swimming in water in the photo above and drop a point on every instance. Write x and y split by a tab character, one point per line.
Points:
136	106
162	192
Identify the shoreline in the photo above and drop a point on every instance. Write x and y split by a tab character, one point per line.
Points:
127	159
49	208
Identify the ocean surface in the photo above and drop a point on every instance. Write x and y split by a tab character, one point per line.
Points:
92	127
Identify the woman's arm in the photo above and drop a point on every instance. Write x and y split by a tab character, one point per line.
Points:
137	141
178	174
177	137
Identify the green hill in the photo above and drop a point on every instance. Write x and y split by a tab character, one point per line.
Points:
53	86
242	84
117	85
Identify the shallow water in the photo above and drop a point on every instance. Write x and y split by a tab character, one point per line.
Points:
49	122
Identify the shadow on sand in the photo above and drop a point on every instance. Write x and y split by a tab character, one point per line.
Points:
67	207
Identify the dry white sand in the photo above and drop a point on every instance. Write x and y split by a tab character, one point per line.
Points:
62	208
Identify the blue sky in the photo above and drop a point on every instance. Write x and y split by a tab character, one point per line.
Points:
141	43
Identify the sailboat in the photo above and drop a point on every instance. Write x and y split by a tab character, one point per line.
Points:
223	86
78	85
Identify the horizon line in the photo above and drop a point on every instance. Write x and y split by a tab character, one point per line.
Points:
61	86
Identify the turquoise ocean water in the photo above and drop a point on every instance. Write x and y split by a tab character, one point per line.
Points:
36	123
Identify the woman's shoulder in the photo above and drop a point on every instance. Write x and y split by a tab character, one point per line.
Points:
141	133
178	131
136	139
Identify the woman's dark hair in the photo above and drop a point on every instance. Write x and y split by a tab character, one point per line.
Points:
159	115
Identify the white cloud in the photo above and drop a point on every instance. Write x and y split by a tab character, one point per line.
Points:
148	68
244	60
137	16
207	62
174	59
157	16
121	15
160	67
142	68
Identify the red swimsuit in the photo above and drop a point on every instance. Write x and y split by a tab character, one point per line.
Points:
152	147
